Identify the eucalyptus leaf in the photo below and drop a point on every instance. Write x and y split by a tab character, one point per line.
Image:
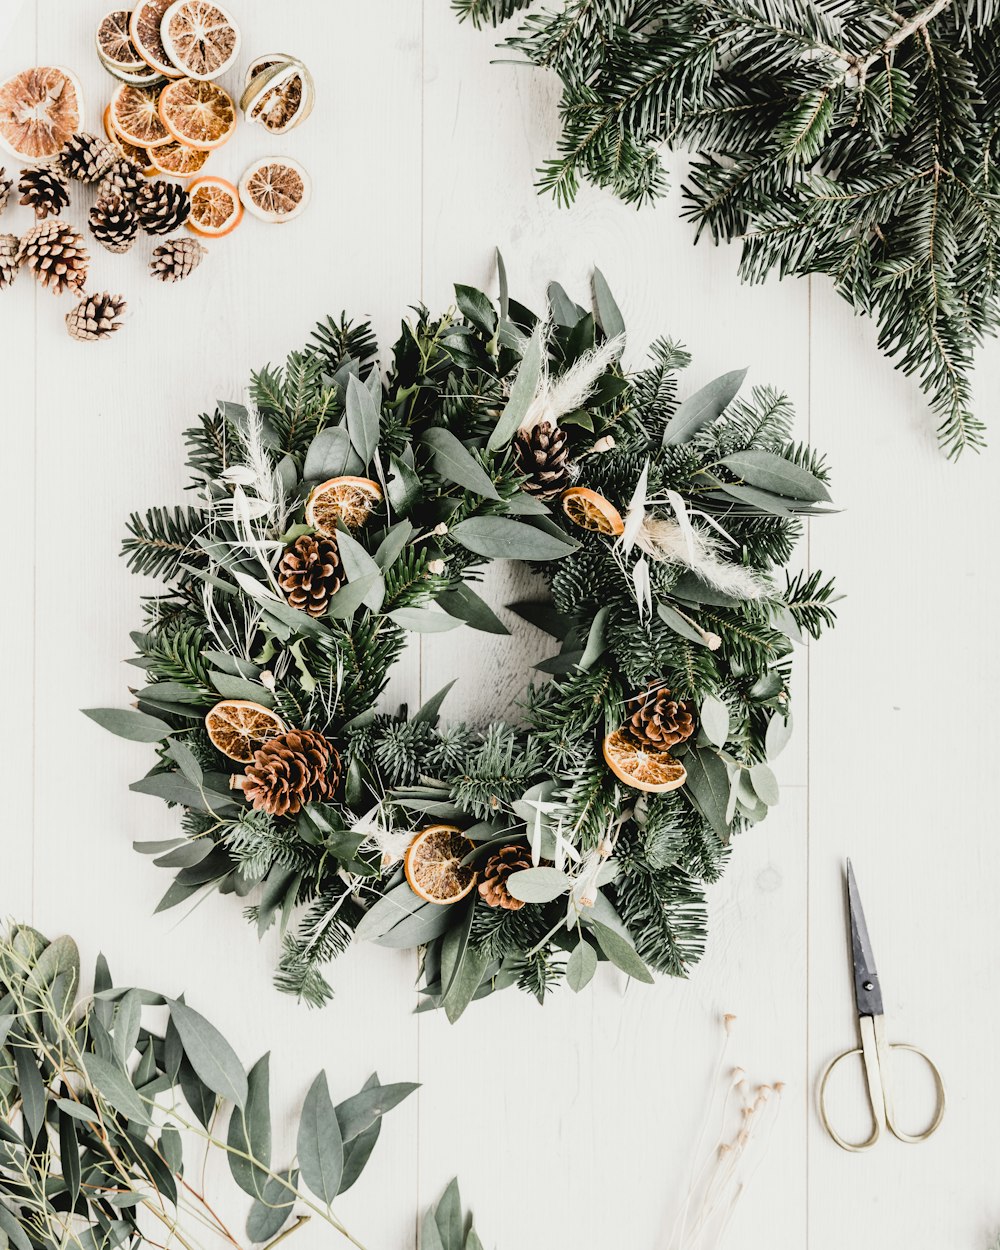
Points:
715	720
621	951
250	1132
522	392
331	454
423	620
356	1115
708	783
115	1088
779	731
463	602
212	1058
538	885
501	538
362	420
608	313
477	308
127	723
774	473
702	408
320	1144
596	645
581	966
679	624
344	602
391	546
358	564
428	711
231	687
765	784
455	463
267	1216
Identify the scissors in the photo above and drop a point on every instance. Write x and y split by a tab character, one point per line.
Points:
875	1050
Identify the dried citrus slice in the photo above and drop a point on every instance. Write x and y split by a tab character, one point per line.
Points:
199	114
200	38
115	46
347	499
178	159
40	109
237	727
654	771
139	155
591	511
215	207
135	117
275	189
433	864
144	30
279	93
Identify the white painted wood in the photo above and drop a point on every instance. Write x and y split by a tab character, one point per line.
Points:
572	1125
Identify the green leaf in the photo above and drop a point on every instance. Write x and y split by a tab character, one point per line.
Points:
538	885
608	313
715	720
499	538
399	904
126	723
471	608
362	420
358	565
331	454
779	730
320	1144
765	784
267	1217
404	488
620	950
32	1090
173	788
184	758
596	646
12	1228
682	627
69	1156
128	1017
477	308
212	1058
504	290
250	1131
429	710
357	1114
455	463
231	687
423	620
448	1217
345	602
565	312
389	549
427	922
775	474
521	393
115	1088
708	784
701	408
358	1151
581	966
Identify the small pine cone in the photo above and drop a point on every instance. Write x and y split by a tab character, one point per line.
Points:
123	177
310	572
10	261
55	254
6	185
174	260
96	317
542	455
44	190
657	722
113	223
493	887
289	771
162	206
85	157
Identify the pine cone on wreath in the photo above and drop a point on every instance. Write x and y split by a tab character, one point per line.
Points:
95	317
113	223
493	887
6	185
85	157
9	260
542	455
176	259
289	771
123	177
657	722
44	190
310	572
55	254
162	206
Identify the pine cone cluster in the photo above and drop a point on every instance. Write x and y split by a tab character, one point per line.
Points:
113	223
173	260
310	572
95	317
44	190
656	721
493	886
55	254
542	455
85	157
10	260
289	771
162	206
6	185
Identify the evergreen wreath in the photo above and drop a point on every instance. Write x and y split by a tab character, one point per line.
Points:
847	137
512	854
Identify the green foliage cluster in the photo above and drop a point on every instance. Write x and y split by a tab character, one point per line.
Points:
618	875
849	137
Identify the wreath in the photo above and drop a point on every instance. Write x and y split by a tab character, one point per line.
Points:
342	509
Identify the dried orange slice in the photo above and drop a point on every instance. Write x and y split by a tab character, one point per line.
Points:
215	207
135	116
199	114
200	38
237	727
40	109
144	30
115	46
591	511
279	93
139	155
433	865
347	499
275	189
653	771
177	159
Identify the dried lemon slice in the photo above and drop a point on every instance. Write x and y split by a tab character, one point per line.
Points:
237	727
653	771
591	511
347	499
199	114
200	38
275	189
40	109
433	865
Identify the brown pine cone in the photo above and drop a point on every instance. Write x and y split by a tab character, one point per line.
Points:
162	206
493	886
86	157
55	254
174	260
310	572
5	188
113	223
9	260
542	455
95	317
124	177
289	771
657	722
44	190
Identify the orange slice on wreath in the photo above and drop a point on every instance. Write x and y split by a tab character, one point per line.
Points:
347	499
433	865
215	207
199	114
135	116
237	727
177	159
653	771
591	511
40	109
200	38
144	31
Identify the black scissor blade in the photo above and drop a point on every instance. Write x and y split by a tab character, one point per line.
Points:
867	993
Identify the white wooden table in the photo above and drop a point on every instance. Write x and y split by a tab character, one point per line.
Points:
569	1126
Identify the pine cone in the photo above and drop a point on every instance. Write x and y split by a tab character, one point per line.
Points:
44	190
85	157
6	184
162	206
10	261
493	886
310	572
123	177
174	260
657	722
289	771
95	317
113	223
542	455
55	254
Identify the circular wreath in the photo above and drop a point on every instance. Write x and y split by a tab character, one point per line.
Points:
343	508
